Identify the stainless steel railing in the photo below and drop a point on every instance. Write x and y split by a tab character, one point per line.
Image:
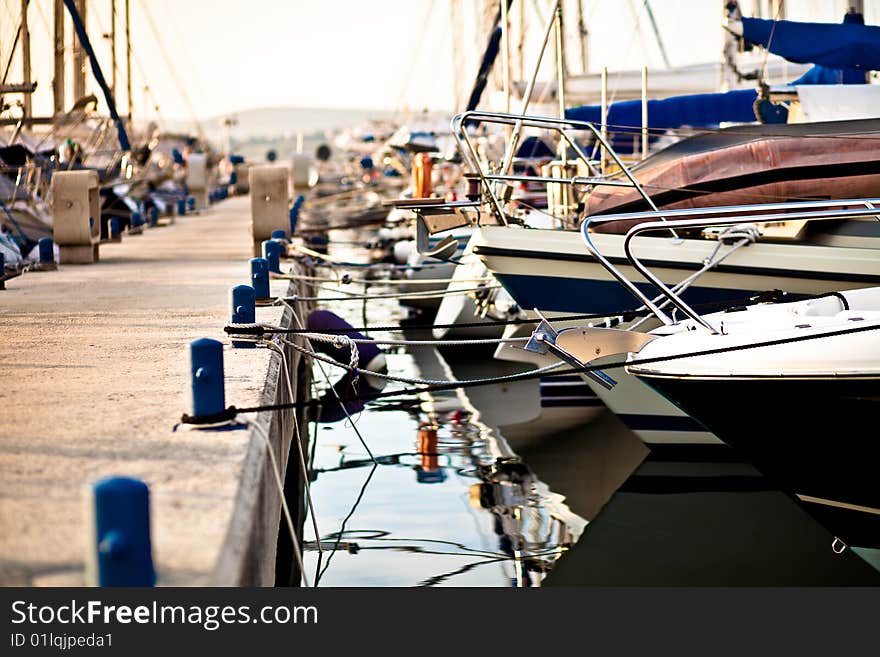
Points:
729	216
564	128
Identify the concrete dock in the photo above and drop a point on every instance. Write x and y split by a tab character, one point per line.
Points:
94	361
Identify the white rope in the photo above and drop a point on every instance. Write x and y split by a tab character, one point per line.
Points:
322	337
350	296
414	381
345	280
299	323
276	470
288	379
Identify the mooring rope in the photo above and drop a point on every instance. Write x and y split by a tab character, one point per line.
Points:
402	379
352	365
438	294
341	341
346	279
230	412
276	471
288	380
611	317
261	329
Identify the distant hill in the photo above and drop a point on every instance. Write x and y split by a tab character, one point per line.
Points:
259	129
281	122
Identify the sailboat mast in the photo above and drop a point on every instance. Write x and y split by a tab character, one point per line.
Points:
113	46
128	57
58	80
505	50
79	57
26	57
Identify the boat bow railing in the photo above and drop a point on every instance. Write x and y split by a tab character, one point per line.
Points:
563	127
710	217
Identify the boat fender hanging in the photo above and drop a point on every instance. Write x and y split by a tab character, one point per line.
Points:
421	175
354	390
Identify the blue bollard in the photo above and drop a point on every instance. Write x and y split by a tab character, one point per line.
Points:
294	213
272	254
191	203
123	554
206	368
181	206
242	306
153	213
115	229
46	250
260	277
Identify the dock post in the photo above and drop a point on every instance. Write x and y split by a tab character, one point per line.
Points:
272	254
120	552
115	230
242	306
294	213
136	227
206	369
46	255
301	168
76	215
181	206
270	193
197	180
260	278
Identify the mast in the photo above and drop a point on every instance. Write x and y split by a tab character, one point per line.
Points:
58	81
520	40
113	46
82	34
79	57
128	57
505	49
560	76
26	56
583	38
657	36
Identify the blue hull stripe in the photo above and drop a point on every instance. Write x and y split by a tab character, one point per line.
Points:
585	295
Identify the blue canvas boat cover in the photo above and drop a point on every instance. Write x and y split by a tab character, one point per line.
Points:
848	45
695	110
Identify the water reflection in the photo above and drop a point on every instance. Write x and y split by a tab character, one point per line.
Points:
443	503
466	489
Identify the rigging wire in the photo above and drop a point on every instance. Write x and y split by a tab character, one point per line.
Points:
181	88
416	53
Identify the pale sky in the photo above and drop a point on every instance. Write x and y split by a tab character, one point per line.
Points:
231	55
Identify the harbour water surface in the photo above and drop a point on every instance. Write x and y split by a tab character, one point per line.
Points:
447	500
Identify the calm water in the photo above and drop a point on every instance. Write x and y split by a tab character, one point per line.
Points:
452	501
